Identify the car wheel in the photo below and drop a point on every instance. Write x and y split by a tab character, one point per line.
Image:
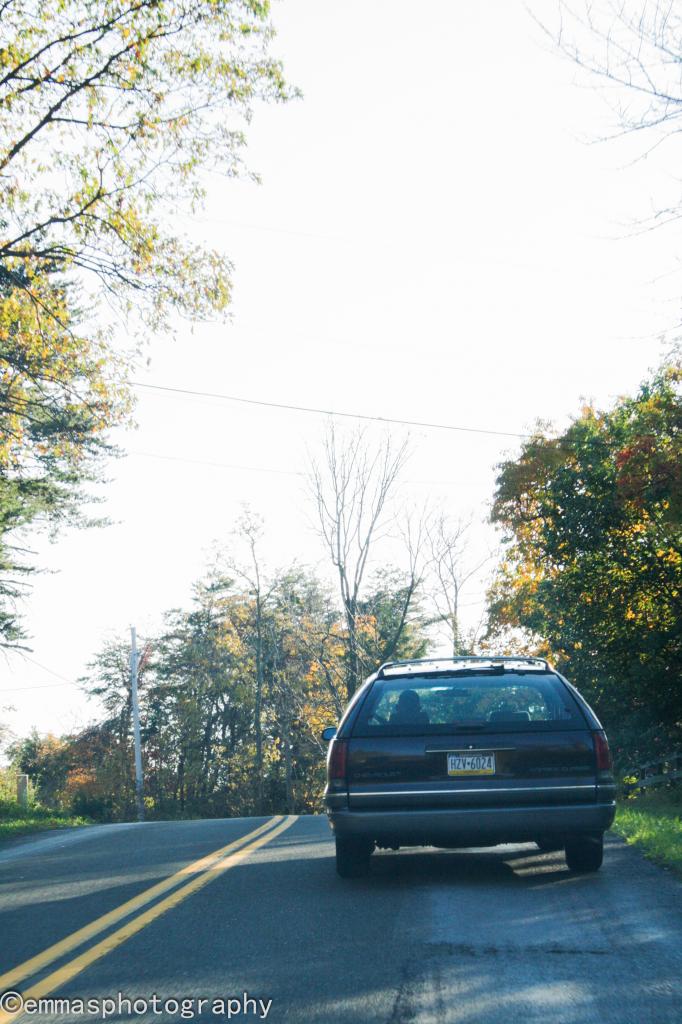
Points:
585	853
352	857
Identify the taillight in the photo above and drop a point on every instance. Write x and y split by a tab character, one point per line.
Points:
338	758
601	752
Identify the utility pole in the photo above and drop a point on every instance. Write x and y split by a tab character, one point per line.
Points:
134	666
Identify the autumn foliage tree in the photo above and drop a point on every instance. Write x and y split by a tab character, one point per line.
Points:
234	694
60	392
593	566
110	113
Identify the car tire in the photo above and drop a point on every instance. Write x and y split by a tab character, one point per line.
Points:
585	853
352	857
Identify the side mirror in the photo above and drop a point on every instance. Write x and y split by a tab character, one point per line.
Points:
329	733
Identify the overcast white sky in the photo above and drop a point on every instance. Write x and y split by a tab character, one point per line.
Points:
434	239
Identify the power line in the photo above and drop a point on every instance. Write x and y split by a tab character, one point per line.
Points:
51	671
329	412
270	469
216	465
44	686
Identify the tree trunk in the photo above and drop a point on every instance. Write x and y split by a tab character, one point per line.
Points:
353	670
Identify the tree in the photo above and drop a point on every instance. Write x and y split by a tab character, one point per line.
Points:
250	531
594	559
233	696
304	665
449	572
351	485
201	706
46	760
108	680
60	393
110	113
390	621
633	47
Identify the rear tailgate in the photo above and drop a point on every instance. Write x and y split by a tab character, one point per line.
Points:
528	768
468	740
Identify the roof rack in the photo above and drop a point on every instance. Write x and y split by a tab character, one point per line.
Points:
449	664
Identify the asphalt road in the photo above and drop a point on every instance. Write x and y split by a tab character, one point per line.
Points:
474	937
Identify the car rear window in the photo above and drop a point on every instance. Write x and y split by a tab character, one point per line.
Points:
485	702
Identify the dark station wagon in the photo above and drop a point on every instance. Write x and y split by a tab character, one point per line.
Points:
471	751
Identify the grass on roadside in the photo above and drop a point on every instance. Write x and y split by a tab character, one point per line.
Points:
16	820
654	823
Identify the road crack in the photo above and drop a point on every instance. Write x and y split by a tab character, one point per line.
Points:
435	949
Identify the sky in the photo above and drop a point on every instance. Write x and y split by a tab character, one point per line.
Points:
437	238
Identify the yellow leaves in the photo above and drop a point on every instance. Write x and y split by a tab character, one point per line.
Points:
670	556
73	394
144	124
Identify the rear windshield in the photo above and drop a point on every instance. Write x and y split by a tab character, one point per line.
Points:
432	705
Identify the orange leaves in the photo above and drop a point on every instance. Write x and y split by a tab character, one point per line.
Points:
594	559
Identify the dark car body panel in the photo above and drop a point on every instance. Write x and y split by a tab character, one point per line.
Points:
398	792
551	760
478	827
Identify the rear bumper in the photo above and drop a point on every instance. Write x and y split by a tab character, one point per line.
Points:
472	826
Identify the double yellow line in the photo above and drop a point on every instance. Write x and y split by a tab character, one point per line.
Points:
200	873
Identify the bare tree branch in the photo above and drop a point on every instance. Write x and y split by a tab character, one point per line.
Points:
351	486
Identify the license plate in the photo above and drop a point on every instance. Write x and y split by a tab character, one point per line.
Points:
471	764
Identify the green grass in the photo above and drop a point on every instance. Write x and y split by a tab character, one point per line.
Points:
654	823
16	820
